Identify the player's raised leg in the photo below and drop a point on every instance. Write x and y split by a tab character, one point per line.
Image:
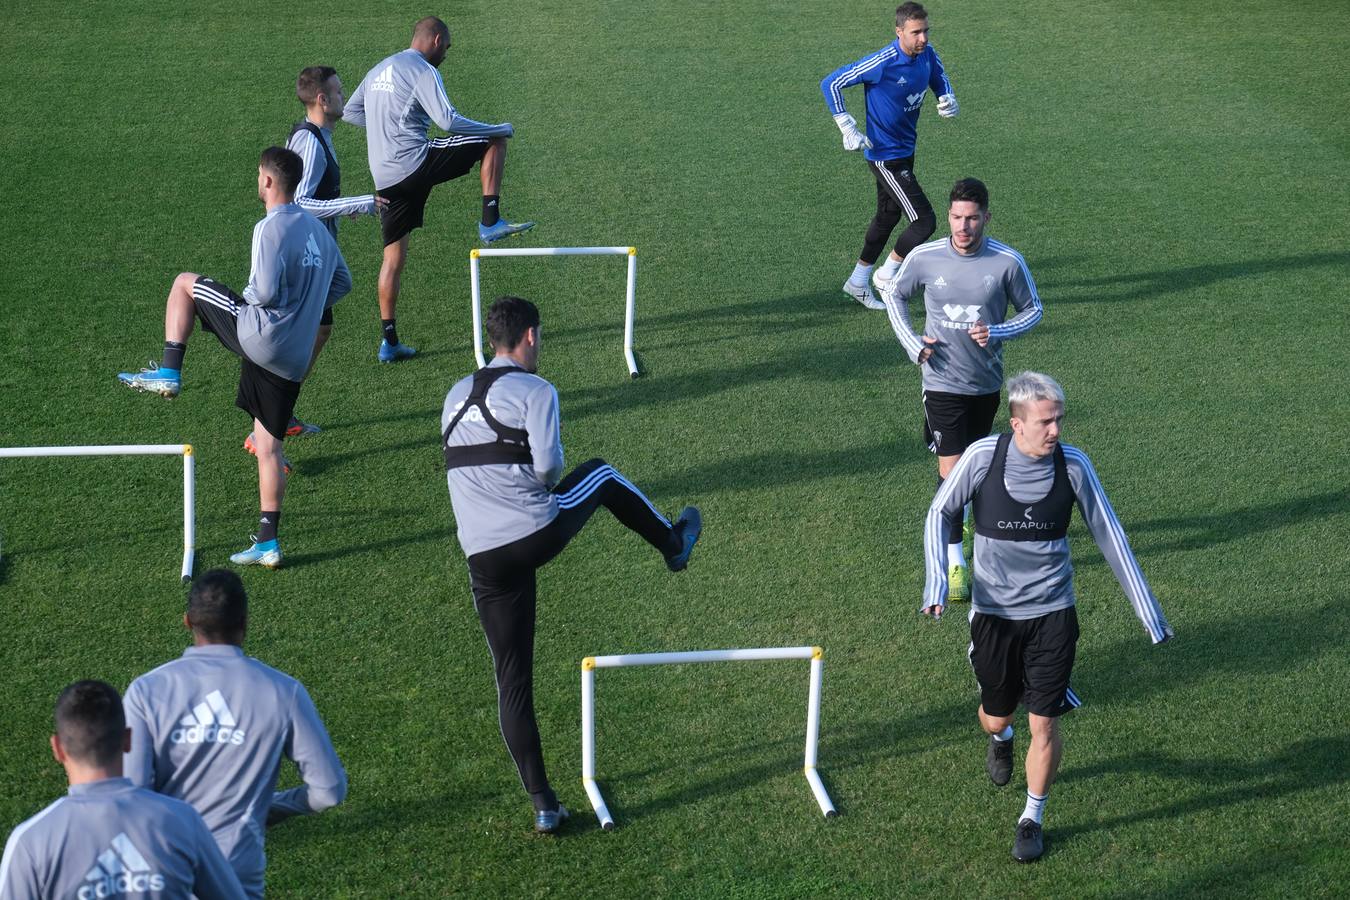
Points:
166	378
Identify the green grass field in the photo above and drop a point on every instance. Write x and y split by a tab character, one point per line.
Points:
1175	176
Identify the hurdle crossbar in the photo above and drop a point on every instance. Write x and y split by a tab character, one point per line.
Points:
591	663
630	301
189	478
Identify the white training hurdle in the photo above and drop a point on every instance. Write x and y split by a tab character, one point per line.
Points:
629	303
591	663
189	478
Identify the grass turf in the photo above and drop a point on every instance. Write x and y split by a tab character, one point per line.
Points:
1173	177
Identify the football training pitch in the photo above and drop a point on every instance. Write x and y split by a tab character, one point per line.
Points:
1174	175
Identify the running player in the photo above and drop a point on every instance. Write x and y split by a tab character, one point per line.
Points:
968	283
1023	627
895	80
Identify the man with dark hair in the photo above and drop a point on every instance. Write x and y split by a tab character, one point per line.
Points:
968	282
396	103
895	80
298	272
319	192
108	837
1023	628
211	728
503	456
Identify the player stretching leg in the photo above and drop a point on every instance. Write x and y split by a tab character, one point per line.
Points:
503	455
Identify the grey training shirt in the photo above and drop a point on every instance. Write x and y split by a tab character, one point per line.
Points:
959	290
211	728
396	103
495	505
1028	579
110	838
297	273
304	144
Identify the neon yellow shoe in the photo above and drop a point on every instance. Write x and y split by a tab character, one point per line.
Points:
958	583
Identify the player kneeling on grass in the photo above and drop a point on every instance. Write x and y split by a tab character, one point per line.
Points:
1023	628
298	272
503	456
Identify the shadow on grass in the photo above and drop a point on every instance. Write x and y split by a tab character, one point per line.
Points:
1304	765
1141	285
771	469
1212	528
762	315
867	359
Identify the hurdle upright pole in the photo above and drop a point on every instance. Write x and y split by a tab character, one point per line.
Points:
477	308
588	745
189	511
630	309
813	736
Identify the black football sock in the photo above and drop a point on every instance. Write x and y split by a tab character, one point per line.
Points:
267	526
490	214
390	332
173	355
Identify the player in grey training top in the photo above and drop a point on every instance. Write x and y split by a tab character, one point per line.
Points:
320	190
1023	626
298	272
968	282
107	837
504	457
396	103
212	727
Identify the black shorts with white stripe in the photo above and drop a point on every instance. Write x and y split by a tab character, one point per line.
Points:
264	395
898	196
447	158
218	309
952	422
1026	660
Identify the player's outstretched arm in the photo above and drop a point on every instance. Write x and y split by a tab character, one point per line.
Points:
430	92
1110	537
309	746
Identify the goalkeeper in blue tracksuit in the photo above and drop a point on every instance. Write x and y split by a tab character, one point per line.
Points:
895	80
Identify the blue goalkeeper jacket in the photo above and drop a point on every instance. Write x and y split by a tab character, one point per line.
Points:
894	86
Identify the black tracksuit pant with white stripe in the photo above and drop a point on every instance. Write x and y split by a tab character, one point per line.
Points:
503	581
898	195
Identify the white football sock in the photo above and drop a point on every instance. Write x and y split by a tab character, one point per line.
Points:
889	268
956	556
860	273
1034	809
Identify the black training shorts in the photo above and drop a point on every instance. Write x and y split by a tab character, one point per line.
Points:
264	395
1026	660
447	159
952	422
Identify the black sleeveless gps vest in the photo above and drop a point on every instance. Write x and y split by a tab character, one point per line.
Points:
330	185
999	516
512	447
